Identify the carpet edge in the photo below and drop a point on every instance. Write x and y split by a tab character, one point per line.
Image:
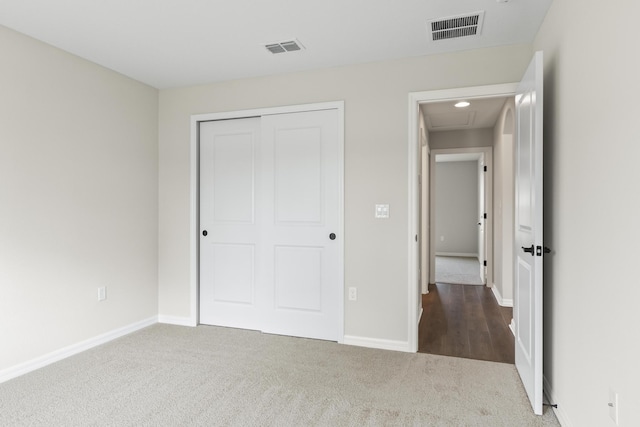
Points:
70	350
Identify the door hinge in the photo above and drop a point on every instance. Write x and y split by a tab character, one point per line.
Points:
485	263
485	216
485	168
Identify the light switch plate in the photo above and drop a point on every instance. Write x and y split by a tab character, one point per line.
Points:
382	211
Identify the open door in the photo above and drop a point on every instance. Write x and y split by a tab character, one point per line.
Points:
528	250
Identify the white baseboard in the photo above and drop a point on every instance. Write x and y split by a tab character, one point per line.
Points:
377	343
501	301
176	320
551	398
458	254
512	326
420	315
63	353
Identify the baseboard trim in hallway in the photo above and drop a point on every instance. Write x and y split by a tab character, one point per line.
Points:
380	344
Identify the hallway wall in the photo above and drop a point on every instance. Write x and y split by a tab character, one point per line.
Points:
503	202
456	207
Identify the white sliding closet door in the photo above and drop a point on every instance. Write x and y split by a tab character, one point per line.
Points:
300	166
270	205
229	232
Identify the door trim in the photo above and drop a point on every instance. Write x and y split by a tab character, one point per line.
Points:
415	99
194	220
488	197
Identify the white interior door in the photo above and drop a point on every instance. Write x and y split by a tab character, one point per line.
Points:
528	251
300	160
229	233
270	217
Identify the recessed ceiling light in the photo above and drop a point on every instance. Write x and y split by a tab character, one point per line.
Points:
462	104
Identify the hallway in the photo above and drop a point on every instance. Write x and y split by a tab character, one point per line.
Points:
465	321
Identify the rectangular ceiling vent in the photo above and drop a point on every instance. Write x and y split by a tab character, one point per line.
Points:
282	47
456	26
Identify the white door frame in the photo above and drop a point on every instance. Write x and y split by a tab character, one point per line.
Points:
415	99
423	222
488	208
194	220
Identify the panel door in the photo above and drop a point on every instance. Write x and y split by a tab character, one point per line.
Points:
527	310
300	160
229	214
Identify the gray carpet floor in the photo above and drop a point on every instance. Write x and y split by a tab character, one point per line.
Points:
458	270
208	376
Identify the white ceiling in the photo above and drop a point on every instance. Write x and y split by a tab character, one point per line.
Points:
480	114
172	43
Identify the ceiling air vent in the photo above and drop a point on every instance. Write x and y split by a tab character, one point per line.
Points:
456	26
282	47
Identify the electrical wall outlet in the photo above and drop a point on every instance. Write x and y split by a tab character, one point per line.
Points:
353	294
102	293
613	406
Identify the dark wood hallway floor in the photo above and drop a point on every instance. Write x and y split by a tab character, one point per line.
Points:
465	321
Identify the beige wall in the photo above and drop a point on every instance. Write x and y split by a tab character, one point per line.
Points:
462	138
376	100
592	208
78	199
503	199
456	206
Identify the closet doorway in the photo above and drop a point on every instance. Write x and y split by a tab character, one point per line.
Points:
270	222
